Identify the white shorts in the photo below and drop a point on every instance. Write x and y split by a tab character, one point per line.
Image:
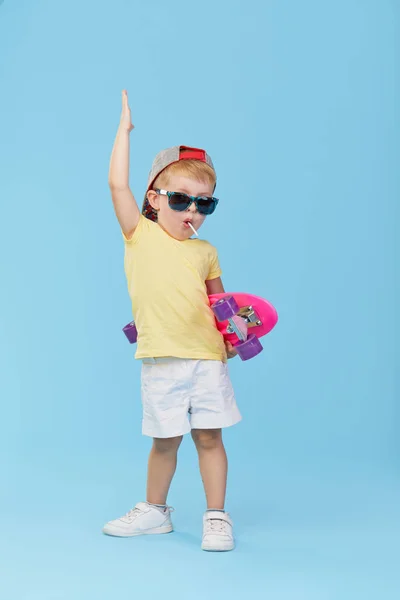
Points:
180	394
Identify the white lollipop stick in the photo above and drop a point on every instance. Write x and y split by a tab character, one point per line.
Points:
193	229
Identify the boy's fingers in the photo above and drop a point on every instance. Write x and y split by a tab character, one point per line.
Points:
230	349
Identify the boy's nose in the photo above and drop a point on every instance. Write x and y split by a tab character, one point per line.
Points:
192	208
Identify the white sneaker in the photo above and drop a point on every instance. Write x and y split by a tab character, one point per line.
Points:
217	532
144	519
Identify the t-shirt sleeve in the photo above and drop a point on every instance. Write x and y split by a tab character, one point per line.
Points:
214	268
141	226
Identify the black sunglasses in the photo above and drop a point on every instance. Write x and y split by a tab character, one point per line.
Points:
180	201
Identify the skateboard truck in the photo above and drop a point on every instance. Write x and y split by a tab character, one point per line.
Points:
250	317
245	318
240	320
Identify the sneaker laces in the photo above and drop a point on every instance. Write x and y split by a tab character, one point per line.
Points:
131	514
217	526
135	512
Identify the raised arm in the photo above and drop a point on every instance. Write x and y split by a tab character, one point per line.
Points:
126	209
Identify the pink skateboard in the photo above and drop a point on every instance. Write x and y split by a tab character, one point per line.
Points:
241	318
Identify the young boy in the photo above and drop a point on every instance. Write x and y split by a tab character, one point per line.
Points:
185	380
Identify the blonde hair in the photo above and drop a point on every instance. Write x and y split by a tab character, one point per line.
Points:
193	169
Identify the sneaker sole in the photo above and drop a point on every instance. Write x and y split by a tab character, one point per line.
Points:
154	531
220	549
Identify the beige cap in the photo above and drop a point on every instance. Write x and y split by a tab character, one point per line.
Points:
164	159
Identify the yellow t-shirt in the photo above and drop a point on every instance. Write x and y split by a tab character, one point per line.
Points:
166	282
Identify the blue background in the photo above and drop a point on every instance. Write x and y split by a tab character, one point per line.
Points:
297	103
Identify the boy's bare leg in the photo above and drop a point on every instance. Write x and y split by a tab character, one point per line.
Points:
213	465
161	468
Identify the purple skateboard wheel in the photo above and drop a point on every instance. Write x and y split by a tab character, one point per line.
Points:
225	308
131	332
250	348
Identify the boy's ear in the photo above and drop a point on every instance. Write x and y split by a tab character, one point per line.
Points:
153	199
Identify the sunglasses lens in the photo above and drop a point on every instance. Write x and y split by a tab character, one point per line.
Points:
179	202
206	206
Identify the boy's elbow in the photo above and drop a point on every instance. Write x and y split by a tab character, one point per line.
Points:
117	187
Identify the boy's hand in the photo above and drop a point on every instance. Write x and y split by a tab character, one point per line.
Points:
231	351
126	121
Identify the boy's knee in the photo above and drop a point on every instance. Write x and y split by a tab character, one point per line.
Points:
167	444
207	439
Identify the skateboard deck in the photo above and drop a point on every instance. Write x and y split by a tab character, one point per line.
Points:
241	318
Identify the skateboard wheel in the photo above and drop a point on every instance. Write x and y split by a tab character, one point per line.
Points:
131	332
225	308
250	348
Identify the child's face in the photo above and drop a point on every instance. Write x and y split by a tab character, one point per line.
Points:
175	222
